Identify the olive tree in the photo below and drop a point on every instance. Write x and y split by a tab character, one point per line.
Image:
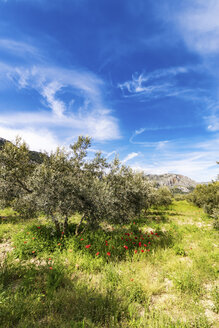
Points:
16	169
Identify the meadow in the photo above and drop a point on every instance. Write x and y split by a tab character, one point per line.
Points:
158	271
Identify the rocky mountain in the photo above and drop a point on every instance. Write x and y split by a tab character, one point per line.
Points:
176	182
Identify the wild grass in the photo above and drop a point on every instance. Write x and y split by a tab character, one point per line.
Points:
46	281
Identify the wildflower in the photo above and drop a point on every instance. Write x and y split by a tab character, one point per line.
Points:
152	233
50	259
122	238
133	222
136	251
33	238
133	243
148	250
145	245
131	279
82	238
87	246
38	227
136	237
28	233
142	250
25	242
59	244
97	253
62	232
33	252
149	242
126	247
70	250
108	253
139	244
50	268
127	239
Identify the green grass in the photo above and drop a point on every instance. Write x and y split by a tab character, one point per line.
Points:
46	281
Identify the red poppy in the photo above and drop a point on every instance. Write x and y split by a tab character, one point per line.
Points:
149	242
59	244
139	244
33	238
62	232
133	243
152	233
50	268
136	251
148	250
38	227
142	250
33	252
82	238
126	247
145	245
122	238
50	259
133	222
108	253
136	237
97	253
87	246
25	242
131	279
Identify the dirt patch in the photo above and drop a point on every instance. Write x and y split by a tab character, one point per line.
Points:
5	248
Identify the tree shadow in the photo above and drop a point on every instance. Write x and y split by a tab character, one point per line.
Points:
10	219
45	297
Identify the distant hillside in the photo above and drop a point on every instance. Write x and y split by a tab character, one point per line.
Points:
178	182
35	156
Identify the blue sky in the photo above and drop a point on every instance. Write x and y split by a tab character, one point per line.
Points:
140	77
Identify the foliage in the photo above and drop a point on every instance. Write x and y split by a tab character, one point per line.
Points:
163	197
66	182
207	197
16	169
68	285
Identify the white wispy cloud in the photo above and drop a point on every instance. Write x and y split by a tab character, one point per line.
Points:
37	139
195	160
18	48
199	25
90	116
159	143
157	84
130	156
